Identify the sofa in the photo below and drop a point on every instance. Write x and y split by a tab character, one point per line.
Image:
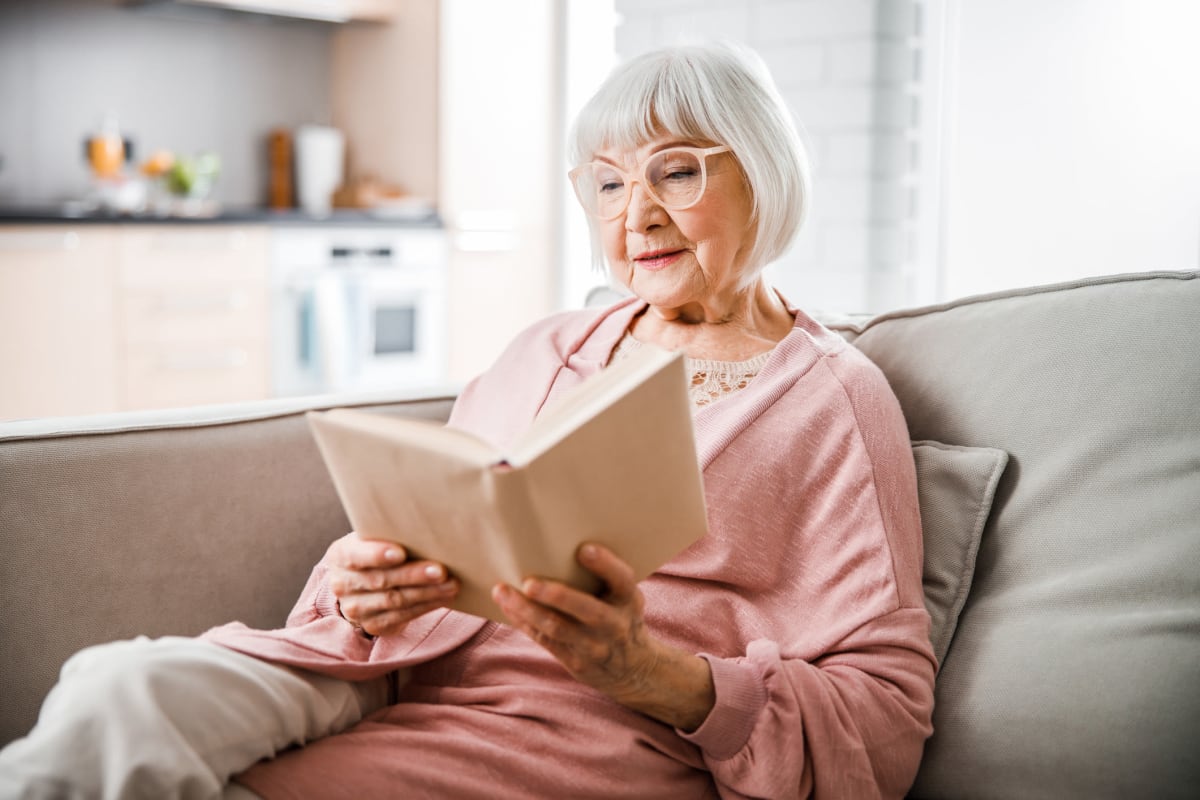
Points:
1057	435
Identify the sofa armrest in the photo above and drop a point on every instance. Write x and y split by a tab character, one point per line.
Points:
158	523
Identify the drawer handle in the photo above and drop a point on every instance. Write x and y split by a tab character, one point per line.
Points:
339	254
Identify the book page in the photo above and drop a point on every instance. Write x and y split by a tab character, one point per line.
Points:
429	436
590	398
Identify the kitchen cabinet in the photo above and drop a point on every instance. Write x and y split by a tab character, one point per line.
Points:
102	318
322	10
58	347
193	326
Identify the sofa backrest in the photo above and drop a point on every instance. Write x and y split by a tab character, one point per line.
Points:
166	523
1075	667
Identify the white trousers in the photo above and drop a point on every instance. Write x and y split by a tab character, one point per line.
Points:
172	718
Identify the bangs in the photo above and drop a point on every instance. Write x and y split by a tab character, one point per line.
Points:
638	105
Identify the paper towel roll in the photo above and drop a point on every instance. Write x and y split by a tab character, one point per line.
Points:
320	157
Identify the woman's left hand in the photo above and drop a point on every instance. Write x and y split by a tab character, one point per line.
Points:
603	642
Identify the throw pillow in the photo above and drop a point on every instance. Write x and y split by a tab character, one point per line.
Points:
955	487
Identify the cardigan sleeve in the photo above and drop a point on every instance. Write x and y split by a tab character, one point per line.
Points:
316	600
850	725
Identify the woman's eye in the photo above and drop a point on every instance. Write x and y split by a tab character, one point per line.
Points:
675	169
609	187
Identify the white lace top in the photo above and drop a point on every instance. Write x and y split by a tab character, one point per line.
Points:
711	380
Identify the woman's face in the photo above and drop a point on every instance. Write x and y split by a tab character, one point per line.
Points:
676	259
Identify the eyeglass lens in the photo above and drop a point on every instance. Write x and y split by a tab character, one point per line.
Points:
675	178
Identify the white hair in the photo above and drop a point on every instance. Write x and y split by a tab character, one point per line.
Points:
721	93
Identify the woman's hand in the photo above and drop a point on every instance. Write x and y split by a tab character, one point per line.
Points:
603	641
378	589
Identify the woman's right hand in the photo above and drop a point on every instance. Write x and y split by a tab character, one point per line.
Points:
378	589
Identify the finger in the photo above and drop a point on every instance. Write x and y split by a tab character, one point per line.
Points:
407	597
415	573
355	552
585	608
358	607
394	621
543	624
617	575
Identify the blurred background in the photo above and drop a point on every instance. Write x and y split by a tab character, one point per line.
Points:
209	201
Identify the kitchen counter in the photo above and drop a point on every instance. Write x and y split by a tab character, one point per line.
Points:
24	215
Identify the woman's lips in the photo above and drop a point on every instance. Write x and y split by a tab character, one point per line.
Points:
657	259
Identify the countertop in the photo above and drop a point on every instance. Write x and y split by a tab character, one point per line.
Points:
26	215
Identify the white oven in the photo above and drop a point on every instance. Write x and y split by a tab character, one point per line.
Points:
358	308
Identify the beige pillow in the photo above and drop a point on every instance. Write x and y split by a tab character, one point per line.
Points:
955	486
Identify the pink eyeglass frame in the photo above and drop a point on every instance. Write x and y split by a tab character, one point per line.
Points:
639	176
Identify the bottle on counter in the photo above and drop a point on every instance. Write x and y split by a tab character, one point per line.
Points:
280	189
107	149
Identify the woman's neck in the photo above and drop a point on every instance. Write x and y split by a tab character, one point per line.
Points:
753	322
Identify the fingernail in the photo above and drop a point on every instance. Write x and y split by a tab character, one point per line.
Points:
434	572
589	551
392	554
531	586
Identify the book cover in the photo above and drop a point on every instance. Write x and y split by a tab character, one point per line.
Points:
612	461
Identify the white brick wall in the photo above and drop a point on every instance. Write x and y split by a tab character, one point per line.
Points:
819	20
845	69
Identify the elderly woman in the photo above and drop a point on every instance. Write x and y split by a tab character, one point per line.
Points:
785	654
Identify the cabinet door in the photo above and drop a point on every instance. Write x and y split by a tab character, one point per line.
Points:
194	322
57	342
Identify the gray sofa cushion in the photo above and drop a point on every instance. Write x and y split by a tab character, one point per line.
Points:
956	486
1075	668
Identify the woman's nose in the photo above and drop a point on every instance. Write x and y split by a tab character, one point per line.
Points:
643	211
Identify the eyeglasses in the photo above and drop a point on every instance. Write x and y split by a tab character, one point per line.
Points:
675	178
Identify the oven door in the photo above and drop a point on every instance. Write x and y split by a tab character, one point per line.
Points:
398	330
296	364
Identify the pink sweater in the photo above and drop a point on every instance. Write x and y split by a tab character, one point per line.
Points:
805	598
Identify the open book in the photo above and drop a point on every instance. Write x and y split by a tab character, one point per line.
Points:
612	461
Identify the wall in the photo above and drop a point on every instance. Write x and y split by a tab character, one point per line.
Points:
1080	157
966	146
385	80
181	79
845	69
589	55
499	146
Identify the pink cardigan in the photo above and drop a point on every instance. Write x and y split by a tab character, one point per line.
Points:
805	598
